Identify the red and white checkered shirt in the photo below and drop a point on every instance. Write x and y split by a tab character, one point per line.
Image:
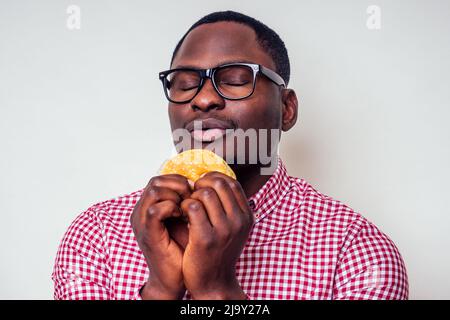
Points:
304	245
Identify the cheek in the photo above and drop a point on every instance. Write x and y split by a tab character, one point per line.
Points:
261	111
176	116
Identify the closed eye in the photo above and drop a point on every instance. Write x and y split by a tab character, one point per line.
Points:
189	88
234	84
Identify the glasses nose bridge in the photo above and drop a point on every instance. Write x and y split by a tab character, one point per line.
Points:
208	73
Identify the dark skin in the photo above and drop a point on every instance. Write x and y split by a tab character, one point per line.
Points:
201	256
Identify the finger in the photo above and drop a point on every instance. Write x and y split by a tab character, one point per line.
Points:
237	190
210	200
155	194
176	182
199	224
156	231
223	190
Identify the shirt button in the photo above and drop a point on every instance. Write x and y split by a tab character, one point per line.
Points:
256	215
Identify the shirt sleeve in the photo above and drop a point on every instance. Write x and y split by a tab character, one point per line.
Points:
370	268
137	295
81	270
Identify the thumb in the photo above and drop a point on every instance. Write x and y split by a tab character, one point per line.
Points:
199	224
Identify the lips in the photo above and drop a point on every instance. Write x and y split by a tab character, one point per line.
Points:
208	135
208	130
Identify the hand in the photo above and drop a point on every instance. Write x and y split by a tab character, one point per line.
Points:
220	221
160	201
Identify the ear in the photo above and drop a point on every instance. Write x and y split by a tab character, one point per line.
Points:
290	109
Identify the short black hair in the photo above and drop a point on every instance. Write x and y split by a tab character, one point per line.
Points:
268	39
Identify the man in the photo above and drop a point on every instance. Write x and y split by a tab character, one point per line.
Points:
258	237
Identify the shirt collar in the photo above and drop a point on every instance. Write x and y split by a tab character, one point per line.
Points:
271	193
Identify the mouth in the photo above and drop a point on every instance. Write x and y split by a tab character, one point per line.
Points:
208	135
208	130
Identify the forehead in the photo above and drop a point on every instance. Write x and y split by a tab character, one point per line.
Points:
213	44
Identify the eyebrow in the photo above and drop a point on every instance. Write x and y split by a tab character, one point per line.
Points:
188	66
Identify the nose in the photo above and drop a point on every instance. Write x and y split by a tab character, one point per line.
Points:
207	98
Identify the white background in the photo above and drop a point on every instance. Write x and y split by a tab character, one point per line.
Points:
83	118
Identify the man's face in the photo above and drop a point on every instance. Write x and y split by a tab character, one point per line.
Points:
211	45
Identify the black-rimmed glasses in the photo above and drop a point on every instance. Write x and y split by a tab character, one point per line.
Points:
234	81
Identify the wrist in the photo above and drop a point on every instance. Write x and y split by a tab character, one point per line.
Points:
153	291
233	292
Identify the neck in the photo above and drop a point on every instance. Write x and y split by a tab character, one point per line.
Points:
250	178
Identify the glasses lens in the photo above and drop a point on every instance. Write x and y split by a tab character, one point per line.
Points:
182	85
234	82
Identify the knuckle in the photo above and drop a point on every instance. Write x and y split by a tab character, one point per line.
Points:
154	181
234	185
154	193
194	205
206	193
220	183
190	205
152	211
159	181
